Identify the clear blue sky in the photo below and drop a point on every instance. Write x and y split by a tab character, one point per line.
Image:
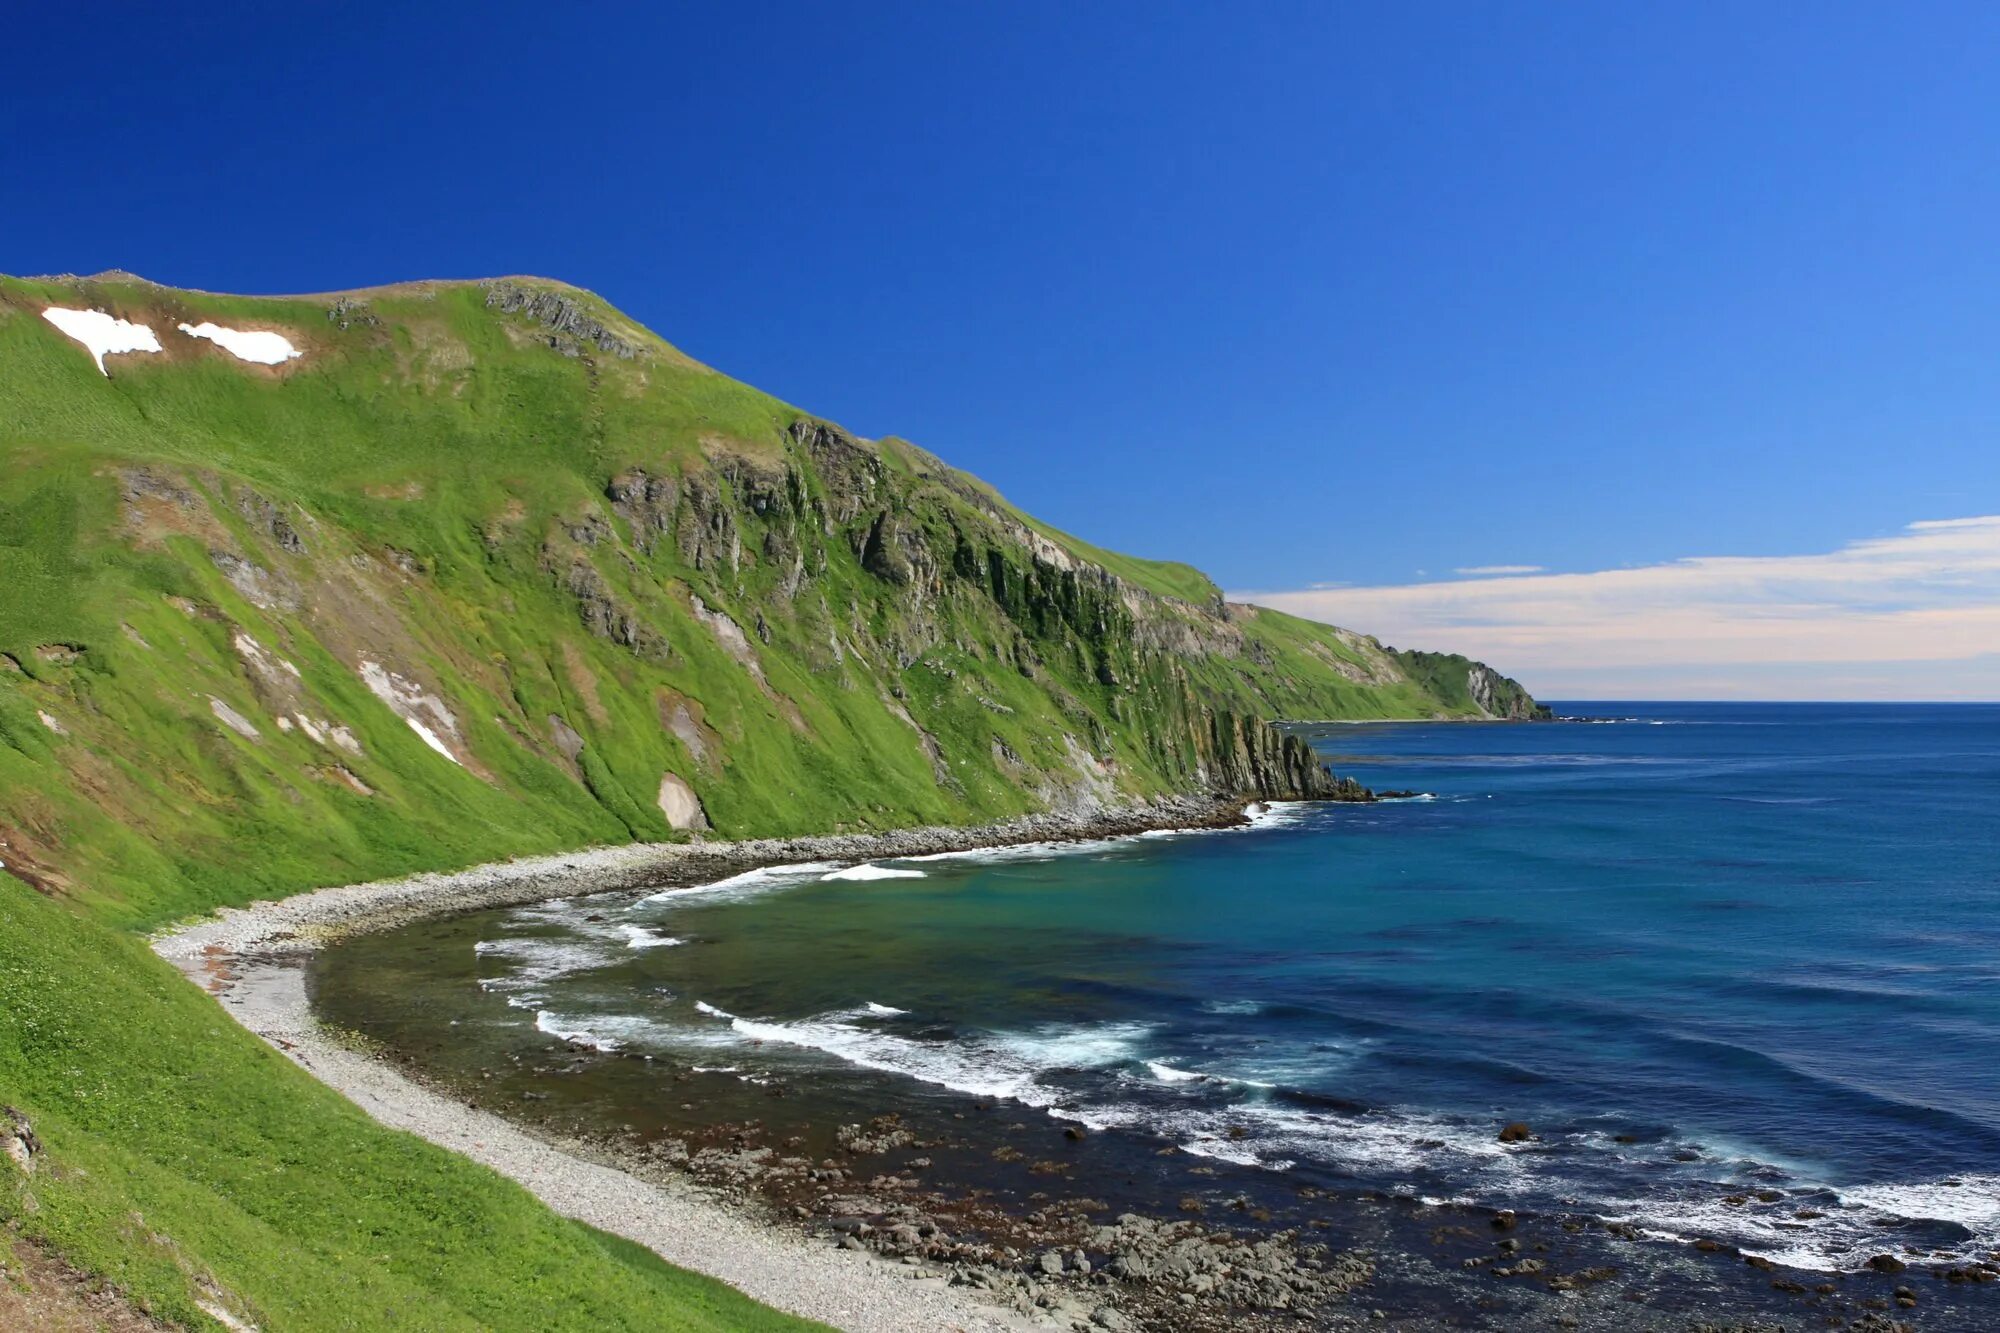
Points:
1300	293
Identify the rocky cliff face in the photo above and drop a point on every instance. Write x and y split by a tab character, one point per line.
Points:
1249	757
1471	687
488	567
1500	697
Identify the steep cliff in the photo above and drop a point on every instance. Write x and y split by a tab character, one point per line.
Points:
486	567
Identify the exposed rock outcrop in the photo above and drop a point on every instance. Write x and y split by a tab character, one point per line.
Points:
1498	696
1250	758
680	805
571	328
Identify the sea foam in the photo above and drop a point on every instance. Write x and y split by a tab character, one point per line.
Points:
868	871
748	884
999	1065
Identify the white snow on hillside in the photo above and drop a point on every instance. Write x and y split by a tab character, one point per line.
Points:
103	334
266	349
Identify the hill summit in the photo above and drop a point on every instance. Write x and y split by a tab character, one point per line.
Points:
310	588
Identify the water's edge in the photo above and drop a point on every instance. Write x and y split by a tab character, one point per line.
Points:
306	922
251	960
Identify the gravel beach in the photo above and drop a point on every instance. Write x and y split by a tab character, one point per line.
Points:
250	959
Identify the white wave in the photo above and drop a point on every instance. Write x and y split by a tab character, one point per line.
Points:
884	1010
566	1029
750	882
946	1066
638	937
739	1074
1853	1225
1003	1065
1972	1202
868	871
533	962
1258	815
1168	1074
1068	1047
1228	1150
1025	851
1276	1136
1276	814
1777	1236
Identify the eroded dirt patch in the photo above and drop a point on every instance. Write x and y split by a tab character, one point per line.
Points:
39	1291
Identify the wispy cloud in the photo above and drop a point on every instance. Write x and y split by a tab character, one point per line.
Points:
1915	614
1485	571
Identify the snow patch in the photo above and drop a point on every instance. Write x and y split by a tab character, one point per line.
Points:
409	701
104	335
263	348
232	719
566	1030
261	661
323	732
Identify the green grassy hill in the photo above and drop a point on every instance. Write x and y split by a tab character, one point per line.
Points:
488	570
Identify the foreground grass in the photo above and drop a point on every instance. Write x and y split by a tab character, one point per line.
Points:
188	1162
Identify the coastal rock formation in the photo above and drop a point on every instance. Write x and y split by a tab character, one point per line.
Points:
1251	758
525	507
1472	685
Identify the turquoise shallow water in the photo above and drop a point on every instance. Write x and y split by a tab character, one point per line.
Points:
1738	968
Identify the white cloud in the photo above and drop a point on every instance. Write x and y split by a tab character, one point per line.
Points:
1483	571
1913	615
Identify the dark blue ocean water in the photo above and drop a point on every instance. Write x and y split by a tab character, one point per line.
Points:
1737	966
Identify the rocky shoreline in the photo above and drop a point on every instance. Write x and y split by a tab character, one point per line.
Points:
251	959
1068	1263
856	1228
1066	1259
309	921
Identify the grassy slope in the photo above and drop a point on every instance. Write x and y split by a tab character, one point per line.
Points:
189	1162
443	474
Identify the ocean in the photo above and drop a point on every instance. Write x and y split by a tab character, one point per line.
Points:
1734	967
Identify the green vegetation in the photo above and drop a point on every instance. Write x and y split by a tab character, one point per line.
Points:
189	1163
470	580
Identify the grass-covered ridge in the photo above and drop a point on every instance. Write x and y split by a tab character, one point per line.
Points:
492	570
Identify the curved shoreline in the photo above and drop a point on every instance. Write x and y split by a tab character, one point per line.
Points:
250	959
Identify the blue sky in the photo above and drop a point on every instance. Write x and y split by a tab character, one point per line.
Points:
1304	294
